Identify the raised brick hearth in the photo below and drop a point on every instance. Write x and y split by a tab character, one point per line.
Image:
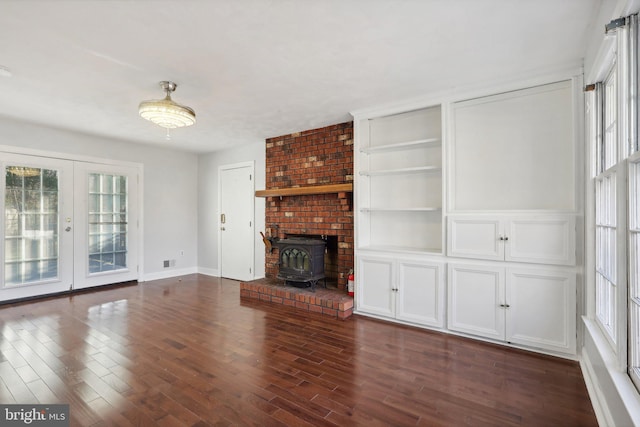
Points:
329	302
314	157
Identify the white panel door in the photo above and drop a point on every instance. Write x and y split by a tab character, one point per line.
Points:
236	220
473	237
543	240
476	296
375	284
37	226
420	295
542	309
106	224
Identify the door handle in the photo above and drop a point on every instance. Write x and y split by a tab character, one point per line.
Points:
223	218
67	229
222	228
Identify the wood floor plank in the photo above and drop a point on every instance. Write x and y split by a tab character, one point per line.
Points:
189	351
5	394
13	356
15	384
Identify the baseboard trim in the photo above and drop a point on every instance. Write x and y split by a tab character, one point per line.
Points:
209	271
170	273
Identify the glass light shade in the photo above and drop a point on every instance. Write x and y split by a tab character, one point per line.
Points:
166	113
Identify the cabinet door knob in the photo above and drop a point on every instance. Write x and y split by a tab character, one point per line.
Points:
501	238
506	238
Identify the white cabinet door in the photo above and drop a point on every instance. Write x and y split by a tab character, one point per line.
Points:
375	284
542	309
476	294
420	295
473	237
544	240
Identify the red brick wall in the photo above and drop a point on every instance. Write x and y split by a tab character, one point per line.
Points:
313	157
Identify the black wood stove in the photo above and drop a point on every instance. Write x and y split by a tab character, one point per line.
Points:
301	260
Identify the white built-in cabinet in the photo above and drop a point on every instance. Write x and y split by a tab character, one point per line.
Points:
399	221
405	290
466	216
541	239
532	307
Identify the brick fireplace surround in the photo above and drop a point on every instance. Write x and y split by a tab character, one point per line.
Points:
303	159
311	158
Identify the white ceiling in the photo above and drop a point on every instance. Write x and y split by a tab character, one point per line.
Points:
253	69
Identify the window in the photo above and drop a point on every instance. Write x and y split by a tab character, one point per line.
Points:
610	126
606	306
613	130
606	209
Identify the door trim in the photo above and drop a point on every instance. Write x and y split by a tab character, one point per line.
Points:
221	169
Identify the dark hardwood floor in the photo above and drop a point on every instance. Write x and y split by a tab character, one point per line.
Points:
191	352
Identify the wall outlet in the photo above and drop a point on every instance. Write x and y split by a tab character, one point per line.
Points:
182	253
172	263
166	263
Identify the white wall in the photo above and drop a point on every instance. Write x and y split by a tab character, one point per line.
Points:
170	189
208	165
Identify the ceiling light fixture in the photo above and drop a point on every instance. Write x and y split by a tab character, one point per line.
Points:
165	112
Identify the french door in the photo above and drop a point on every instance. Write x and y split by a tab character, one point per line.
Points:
106	224
66	225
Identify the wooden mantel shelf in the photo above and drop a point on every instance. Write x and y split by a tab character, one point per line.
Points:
304	191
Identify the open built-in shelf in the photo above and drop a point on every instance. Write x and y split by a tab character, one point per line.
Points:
401	171
402	145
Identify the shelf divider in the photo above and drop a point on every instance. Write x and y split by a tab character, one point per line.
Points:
420	169
401	145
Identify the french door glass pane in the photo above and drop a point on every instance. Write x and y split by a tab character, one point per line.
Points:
31	225
108	215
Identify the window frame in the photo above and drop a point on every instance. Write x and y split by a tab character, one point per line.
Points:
633	242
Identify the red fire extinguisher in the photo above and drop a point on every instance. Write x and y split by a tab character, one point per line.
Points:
351	282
